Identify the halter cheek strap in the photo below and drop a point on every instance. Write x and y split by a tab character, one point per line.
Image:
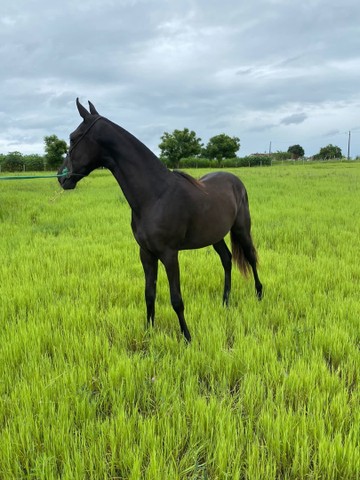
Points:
66	172
83	135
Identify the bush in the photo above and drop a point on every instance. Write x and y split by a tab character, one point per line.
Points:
34	163
231	162
195	162
250	161
280	156
16	162
13	162
258	160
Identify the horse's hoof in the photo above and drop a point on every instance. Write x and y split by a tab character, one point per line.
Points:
187	337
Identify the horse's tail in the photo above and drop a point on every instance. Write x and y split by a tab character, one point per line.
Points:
244	253
238	255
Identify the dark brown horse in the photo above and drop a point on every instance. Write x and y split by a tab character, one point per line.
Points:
171	211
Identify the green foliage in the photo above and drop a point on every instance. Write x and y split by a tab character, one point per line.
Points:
296	151
231	163
249	161
34	162
179	144
280	156
221	146
328	152
195	162
201	162
13	162
266	390
54	151
256	161
17	162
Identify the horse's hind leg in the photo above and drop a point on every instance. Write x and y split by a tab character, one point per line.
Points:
225	256
251	257
150	266
258	284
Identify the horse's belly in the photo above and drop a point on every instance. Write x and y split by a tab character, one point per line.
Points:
210	222
203	234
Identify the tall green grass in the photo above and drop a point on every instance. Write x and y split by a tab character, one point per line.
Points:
266	390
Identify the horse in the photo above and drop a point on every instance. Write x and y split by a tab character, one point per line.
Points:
171	211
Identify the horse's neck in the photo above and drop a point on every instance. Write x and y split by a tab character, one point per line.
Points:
140	174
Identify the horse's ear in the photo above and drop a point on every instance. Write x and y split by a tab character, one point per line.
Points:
82	110
93	110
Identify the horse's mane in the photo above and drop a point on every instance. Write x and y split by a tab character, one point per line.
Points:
189	178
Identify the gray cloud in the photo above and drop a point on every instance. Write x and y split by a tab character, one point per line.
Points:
295	118
332	133
252	70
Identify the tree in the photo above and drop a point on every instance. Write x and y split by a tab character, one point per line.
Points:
13	162
296	151
54	151
330	151
179	144
221	146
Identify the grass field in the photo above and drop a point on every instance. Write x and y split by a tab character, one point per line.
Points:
266	390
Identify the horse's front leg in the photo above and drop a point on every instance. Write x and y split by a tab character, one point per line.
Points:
150	266
171	263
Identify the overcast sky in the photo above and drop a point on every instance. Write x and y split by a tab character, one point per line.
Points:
274	71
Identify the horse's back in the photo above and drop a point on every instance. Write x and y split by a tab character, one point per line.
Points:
221	178
224	182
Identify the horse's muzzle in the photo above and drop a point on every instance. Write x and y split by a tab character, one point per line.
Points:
67	183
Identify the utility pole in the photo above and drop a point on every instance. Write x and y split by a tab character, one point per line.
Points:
270	149
349	140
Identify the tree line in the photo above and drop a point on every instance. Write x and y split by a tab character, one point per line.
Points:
183	149
179	149
55	149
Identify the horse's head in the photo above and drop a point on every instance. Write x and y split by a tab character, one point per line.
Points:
84	154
